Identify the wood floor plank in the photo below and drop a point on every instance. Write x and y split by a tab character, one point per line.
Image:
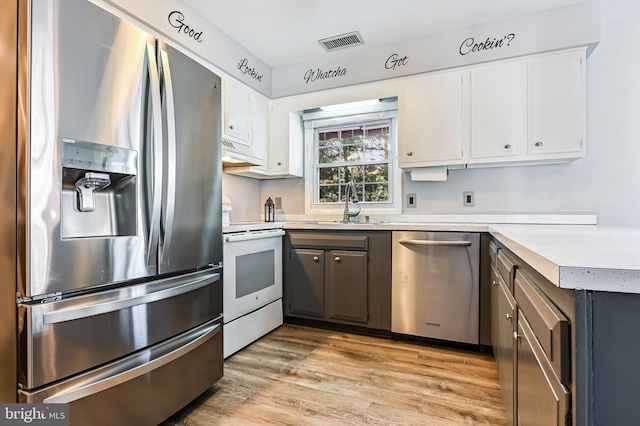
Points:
305	376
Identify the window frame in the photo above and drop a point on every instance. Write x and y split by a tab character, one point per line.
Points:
326	119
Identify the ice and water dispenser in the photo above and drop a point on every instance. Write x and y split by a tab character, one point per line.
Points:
98	190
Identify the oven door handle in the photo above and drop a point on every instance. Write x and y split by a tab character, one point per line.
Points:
232	238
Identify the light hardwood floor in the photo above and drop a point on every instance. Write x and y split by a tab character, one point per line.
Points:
306	376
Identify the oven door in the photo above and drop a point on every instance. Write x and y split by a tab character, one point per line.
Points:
252	274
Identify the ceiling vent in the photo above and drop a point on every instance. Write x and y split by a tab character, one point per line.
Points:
340	42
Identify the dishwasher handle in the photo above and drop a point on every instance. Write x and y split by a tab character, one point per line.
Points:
440	243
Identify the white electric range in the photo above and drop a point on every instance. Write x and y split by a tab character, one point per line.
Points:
252	282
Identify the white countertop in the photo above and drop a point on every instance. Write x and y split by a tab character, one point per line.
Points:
586	257
578	256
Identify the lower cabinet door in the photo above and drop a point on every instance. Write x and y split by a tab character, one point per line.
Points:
347	286
506	354
495	289
306	286
542	399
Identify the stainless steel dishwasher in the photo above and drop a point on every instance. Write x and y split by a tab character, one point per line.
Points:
435	285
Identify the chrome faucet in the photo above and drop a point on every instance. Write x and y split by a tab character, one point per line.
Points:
350	192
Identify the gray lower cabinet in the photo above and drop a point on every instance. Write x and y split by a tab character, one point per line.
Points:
306	298
347	286
531	341
505	348
340	277
542	399
543	359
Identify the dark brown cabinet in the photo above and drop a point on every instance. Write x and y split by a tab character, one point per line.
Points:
505	347
307	297
347	286
542	357
340	277
531	342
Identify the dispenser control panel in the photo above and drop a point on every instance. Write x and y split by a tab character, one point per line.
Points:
92	156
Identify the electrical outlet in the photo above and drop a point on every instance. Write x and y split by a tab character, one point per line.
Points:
278	203
468	199
411	200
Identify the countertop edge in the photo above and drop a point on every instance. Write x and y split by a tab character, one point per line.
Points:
560	274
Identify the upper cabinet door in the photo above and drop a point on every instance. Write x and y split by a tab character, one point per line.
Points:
557	107
431	120
260	111
237	113
499	110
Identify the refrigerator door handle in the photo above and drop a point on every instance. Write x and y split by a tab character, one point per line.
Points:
84	311
117	378
168	206
156	148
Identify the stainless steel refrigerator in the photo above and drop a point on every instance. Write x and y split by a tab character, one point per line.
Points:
110	228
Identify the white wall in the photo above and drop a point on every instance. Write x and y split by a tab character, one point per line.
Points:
607	182
245	197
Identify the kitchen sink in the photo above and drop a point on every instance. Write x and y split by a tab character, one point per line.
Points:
339	222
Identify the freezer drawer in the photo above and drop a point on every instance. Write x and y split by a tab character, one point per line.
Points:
67	337
146	387
435	285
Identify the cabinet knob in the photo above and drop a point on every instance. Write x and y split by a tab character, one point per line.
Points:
538	144
337	259
279	163
507	146
231	127
494	282
515	335
509	316
316	258
409	154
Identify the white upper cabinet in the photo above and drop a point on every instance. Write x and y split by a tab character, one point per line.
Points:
430	120
278	138
260	128
286	141
498	118
236	113
557	107
523	111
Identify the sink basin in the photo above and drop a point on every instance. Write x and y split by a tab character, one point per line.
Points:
339	222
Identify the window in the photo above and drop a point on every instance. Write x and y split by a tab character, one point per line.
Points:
360	154
358	146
